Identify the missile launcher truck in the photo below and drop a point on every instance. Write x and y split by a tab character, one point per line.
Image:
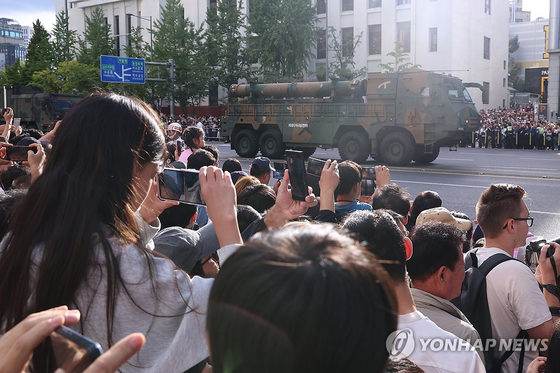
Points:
393	117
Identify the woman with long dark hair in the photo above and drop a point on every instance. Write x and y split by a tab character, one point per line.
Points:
77	241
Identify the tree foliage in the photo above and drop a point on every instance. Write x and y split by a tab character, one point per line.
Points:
399	57
13	75
514	68
280	36
176	37
97	39
39	52
63	40
68	77
224	43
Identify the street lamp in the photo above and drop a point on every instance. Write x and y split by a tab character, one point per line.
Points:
151	33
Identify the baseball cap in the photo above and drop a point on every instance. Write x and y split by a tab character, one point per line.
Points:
263	163
443	215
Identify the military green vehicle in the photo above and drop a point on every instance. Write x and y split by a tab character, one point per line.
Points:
392	117
38	109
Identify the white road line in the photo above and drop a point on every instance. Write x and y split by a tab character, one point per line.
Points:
538	159
454	159
517	168
545	213
428	183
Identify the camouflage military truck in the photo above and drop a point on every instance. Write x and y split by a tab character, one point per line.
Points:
38	109
392	117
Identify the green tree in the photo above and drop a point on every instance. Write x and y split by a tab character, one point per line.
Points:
281	35
399	64
13	75
225	44
39	52
97	39
177	38
69	77
343	65
514	68
63	40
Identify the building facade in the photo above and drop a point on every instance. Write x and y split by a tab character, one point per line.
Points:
468	39
12	41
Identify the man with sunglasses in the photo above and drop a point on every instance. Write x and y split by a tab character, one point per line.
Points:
515	300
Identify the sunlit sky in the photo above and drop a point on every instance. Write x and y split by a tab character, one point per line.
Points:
27	11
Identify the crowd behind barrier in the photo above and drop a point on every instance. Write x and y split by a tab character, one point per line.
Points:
336	282
514	128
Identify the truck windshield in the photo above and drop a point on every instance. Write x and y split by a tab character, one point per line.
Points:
452	91
466	95
61	105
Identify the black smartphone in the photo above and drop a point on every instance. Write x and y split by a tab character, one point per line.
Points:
280	166
73	352
315	166
180	185
19	153
296	168
368	181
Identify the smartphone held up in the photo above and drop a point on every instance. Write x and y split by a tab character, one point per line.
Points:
72	351
180	185
296	169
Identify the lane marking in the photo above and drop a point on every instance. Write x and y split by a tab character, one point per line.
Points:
452	185
546	213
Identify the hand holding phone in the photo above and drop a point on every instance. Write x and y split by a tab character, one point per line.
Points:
315	166
296	169
73	352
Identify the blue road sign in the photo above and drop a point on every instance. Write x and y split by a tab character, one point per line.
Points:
122	70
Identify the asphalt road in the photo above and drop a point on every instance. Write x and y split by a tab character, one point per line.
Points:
460	176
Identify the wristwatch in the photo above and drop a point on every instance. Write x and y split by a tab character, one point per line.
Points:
552	289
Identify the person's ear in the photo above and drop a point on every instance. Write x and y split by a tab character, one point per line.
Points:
441	273
408	247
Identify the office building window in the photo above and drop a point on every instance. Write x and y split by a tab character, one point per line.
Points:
504	82
374	4
486	92
321	6
116	33
488	7
374	39
128	29
403	2
347	5
486	48
403	35
321	44
505	64
347	41
433	39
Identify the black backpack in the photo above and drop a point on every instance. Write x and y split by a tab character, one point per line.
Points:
473	302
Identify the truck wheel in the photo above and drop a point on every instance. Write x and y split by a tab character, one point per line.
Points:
271	144
354	146
246	143
421	158
397	149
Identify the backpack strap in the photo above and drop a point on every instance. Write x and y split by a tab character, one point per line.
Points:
521	335
492	262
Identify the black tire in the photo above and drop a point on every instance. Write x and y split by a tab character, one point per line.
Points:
397	149
246	143
421	158
354	146
271	144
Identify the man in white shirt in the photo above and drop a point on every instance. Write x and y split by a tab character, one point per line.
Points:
514	299
417	337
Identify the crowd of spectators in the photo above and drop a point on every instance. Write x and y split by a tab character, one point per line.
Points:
515	128
338	282
210	125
